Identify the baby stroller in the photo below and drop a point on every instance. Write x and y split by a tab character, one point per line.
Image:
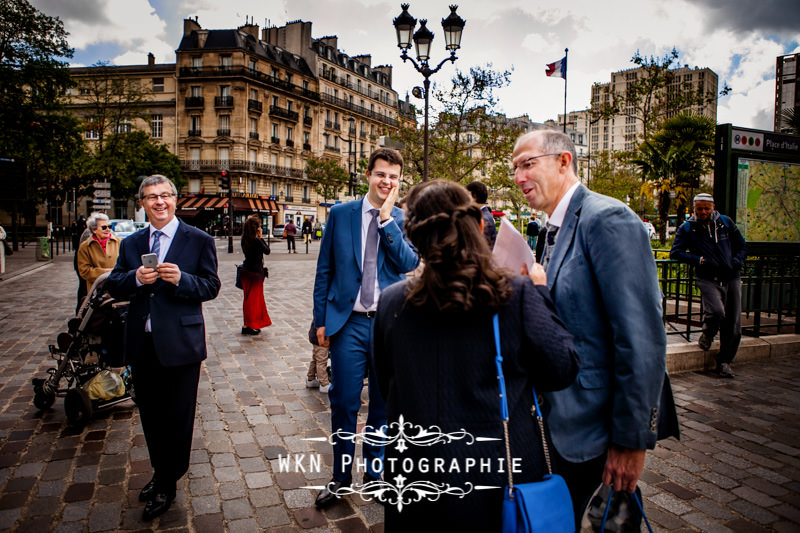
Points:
86	354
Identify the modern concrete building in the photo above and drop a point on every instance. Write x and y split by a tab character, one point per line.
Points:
787	90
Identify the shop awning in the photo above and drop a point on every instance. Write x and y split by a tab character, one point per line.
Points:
189	206
255	205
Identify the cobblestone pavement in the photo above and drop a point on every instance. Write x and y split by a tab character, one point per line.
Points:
737	467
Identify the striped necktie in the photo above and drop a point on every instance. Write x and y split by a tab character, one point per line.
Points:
369	271
156	248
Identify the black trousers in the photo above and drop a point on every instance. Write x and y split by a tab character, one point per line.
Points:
582	480
167	399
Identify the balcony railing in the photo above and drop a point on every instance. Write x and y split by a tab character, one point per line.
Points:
332	149
254	135
195	133
223	101
288	198
223	133
289	142
358	109
307	147
254	105
277	111
194	101
198	72
275	140
329	124
213	165
307	121
306	200
341	80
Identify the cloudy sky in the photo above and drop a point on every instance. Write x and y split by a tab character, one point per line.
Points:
737	39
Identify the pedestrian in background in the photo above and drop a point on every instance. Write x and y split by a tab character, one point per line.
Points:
532	232
603	281
290	230
251	276
318	368
434	356
715	246
306	230
480	194
97	254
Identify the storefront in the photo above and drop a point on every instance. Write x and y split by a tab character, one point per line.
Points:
297	213
209	212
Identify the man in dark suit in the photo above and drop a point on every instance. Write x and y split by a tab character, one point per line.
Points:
480	194
363	251
602	278
165	332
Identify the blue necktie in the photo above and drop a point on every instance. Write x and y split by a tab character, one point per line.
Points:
369	271
156	248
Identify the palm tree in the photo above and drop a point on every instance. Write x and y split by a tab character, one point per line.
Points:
672	162
790	119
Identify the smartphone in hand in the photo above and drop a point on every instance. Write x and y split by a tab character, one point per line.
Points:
150	260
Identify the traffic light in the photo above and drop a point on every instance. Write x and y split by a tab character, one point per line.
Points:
224	180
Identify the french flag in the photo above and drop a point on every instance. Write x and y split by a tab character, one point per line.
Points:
557	69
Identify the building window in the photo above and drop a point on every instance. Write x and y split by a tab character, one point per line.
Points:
305	192
305	85
252	187
252	66
275	74
289	161
289	134
273	189
225	62
253	125
197	62
92	135
196	91
157	126
275	131
158	85
123	126
224	157
225	122
306	137
288	190
85	92
195	120
254	94
274	100
224	90
289	78
194	185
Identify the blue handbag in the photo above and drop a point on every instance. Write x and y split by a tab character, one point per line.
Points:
545	505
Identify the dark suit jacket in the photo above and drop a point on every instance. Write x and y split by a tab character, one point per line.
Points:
338	277
176	314
438	369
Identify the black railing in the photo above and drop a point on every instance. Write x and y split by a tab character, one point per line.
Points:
770	295
289	198
358	109
332	149
194	101
306	200
254	105
195	133
289	142
198	72
224	132
254	135
223	101
277	111
307	121
275	140
239	164
307	146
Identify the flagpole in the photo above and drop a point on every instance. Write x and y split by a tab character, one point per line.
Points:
566	51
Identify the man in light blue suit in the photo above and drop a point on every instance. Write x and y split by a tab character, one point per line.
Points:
363	251
603	281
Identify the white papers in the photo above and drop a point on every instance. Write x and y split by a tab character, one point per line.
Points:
511	250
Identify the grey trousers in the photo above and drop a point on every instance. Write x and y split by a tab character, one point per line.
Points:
722	312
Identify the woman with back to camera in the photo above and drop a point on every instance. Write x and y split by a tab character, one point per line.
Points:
434	353
251	276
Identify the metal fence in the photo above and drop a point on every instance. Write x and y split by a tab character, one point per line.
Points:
770	295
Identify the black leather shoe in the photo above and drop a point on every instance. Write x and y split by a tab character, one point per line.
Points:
148	490
250	331
326	496
157	505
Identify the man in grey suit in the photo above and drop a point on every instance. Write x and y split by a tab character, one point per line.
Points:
602	278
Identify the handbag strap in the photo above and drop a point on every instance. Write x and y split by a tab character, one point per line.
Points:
638	504
498	361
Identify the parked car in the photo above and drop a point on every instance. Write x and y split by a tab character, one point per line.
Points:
122	227
277	231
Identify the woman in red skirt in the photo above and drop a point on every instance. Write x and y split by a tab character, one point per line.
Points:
251	276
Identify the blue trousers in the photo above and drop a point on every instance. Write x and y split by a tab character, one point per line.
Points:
350	364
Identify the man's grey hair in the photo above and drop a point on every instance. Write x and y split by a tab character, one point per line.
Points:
155	179
553	142
94	218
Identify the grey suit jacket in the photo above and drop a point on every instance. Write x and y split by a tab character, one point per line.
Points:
603	280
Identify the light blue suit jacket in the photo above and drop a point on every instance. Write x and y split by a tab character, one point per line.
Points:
338	277
603	280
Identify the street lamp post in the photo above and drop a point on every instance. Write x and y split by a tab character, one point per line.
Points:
589	162
453	26
351	184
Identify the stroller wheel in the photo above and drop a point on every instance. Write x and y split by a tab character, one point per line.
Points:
41	399
78	407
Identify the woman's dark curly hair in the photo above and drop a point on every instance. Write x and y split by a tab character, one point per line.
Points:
443	223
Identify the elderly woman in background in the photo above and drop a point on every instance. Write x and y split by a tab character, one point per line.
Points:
434	356
97	254
251	275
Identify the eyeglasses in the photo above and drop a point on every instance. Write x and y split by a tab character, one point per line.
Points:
153	197
104	227
526	165
381	175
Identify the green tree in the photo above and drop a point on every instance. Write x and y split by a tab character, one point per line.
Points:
614	176
126	156
468	137
331	178
672	162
